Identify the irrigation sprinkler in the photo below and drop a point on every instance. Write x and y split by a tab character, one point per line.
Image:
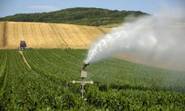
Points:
83	81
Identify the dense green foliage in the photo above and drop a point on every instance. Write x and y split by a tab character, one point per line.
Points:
83	16
119	85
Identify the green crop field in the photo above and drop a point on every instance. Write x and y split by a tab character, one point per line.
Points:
119	85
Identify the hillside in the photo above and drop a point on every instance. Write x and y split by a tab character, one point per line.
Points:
82	16
48	35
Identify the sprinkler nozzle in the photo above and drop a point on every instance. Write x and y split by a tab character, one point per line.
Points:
84	66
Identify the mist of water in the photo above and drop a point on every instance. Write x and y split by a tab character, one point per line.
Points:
156	39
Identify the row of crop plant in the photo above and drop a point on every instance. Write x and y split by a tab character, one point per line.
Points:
119	85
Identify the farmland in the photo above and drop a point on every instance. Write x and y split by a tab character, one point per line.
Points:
119	85
48	35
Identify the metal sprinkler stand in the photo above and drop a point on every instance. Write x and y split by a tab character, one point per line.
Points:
83	82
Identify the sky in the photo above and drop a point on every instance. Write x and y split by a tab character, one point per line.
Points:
11	7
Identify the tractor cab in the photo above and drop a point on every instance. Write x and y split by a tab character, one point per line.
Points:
22	45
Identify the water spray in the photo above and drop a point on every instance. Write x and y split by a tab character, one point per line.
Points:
83	80
156	40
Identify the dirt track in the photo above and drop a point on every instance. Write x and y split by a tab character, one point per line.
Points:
24	59
48	35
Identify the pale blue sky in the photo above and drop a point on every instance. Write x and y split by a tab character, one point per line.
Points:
10	7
